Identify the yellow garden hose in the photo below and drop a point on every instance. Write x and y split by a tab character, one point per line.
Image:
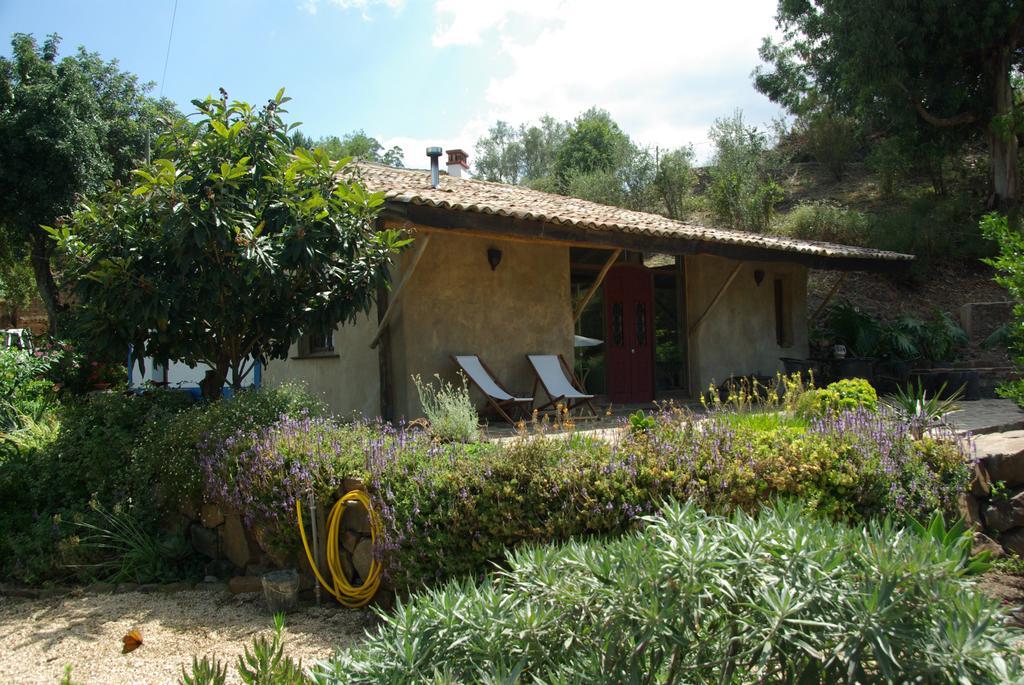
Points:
352	596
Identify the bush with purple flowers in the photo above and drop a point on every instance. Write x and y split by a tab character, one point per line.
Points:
450	509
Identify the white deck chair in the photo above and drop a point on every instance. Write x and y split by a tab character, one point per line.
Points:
500	399
559	382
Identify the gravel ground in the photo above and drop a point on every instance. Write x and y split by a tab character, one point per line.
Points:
38	638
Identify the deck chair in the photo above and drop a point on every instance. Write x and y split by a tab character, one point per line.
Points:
559	383
499	399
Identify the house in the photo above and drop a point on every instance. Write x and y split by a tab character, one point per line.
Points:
646	307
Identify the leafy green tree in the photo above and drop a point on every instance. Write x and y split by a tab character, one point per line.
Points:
17	286
674	181
229	246
519	155
936	65
1009	267
66	127
743	189
594	143
499	154
356	144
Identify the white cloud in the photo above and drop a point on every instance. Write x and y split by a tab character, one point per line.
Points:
363	6
664	70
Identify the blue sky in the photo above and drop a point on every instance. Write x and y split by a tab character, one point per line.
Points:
418	72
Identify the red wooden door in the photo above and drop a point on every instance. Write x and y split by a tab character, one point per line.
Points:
629	338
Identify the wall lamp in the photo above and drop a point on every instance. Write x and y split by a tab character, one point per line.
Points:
758	276
493	257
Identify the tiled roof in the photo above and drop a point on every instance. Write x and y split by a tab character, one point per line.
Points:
412	186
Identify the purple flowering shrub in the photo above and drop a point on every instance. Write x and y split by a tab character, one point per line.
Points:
262	472
451	509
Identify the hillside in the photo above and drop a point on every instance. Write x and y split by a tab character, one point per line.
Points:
940	229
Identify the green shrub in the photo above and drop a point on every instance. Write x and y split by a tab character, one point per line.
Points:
827	222
134	454
781	597
843	395
449	409
177	444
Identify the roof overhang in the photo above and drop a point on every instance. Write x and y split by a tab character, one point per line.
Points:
402	214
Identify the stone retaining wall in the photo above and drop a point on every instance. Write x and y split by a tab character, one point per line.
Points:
994	504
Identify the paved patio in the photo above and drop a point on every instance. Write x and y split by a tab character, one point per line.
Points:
987	416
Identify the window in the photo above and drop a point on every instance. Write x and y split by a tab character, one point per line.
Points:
783	314
317	343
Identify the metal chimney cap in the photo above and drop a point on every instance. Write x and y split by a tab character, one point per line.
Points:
433	152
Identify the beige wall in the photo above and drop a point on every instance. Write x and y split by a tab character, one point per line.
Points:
455	304
738	336
348	381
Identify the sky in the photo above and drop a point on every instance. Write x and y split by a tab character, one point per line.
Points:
416	73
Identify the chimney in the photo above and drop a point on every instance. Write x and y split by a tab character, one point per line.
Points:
458	162
435	174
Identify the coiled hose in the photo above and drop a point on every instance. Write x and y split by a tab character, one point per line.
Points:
351	596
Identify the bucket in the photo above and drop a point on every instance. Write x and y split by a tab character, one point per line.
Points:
281	590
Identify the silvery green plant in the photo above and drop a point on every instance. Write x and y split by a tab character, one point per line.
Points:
449	409
777	597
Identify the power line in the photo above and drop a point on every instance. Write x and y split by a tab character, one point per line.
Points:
167	56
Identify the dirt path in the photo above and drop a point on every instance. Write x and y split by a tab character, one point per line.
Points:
38	638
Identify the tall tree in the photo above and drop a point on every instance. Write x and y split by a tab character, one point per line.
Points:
66	128
595	143
743	189
361	146
228	247
932	63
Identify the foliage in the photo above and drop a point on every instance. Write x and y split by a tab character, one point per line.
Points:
934	73
842	396
891	164
832	139
466	504
1009	267
66	127
915	405
228	247
17	287
133	457
267	663
449	409
129	552
904	338
640	422
594	143
523	155
777	597
743	188
827	222
675	180
357	145
262	472
205	671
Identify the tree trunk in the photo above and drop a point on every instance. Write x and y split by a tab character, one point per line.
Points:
212	385
42	247
1003	145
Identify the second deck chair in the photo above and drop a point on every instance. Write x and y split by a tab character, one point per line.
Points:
500	399
559	383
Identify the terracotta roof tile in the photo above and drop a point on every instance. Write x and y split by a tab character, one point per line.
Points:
412	186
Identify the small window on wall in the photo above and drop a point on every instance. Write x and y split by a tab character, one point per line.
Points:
317	343
783	313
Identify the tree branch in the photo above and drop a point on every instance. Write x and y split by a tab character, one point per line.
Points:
944	122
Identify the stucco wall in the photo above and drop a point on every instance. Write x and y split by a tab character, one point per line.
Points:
738	336
349	381
455	304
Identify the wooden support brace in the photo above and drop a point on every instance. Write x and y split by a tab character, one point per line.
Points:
721	291
393	303
828	297
597	284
